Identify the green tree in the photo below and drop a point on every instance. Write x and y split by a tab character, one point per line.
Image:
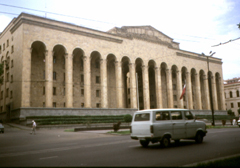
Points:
238	25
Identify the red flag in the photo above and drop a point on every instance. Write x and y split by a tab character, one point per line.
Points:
183	92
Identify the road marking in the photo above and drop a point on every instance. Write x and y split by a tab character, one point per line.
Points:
51	157
61	149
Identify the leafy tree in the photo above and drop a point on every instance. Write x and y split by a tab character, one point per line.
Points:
128	118
230	112
238	25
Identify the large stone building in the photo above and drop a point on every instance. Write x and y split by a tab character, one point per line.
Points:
57	68
232	95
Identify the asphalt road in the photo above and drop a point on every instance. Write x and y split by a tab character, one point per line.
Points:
55	147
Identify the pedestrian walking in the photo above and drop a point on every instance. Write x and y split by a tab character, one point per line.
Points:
34	127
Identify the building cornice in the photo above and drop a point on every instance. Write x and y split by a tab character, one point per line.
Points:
198	57
60	28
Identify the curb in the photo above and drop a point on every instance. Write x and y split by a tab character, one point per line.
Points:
211	160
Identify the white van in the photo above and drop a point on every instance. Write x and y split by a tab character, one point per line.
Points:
162	125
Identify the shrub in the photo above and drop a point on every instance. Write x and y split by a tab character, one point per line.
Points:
128	118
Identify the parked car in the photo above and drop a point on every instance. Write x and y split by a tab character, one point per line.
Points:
238	123
162	125
1	128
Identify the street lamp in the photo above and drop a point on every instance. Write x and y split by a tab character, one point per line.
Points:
210	87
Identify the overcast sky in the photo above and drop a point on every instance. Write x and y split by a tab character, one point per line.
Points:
196	24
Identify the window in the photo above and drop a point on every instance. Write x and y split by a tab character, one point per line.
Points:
82	92
97	79
175	97
188	115
63	77
164	115
98	105
7	77
7	43
11	63
97	63
128	90
1	94
97	93
142	117
230	94
64	90
82	78
238	104
54	104
129	101
43	90
54	90
54	75
11	79
11	94
43	104
12	49
232	106
7	92
174	87
237	93
54	59
82	104
3	46
176	115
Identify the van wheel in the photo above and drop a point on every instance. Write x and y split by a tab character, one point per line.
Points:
199	137
144	143
165	142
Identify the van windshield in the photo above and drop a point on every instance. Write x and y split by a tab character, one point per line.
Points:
142	117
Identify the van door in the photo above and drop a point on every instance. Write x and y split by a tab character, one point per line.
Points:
190	124
178	125
162	124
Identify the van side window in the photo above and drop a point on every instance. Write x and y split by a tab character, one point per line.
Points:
164	115
188	115
176	115
142	117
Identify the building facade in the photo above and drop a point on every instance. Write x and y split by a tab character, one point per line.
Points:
232	96
50	64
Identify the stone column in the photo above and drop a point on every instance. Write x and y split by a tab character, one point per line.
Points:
189	91
26	78
169	88
158	87
179	89
104	87
145	87
49	78
87	82
133	87
198	93
214	94
69	80
222	99
206	91
119	84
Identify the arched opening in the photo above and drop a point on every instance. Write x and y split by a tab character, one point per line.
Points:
203	88
174	86
139	64
37	90
78	78
163	68
126	82
59	82
193	81
95	79
184	82
218	90
152	84
111	83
